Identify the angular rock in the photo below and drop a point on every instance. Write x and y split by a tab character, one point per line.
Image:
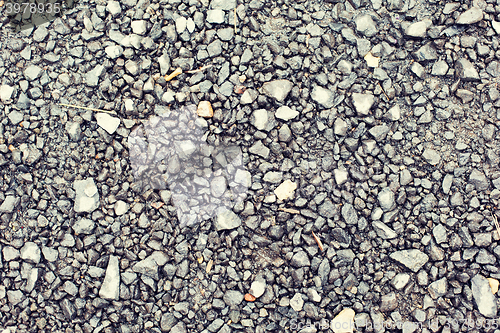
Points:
300	259
227	220
30	252
383	231
413	259
431	156
323	97
362	103
470	16
297	302
479	180
257	288
466	70
84	226
110	288
484	299
343	322
277	89
233	298
438	288
260	119
9	204
107	122
148	267
285	190
83	201
6	92
286	113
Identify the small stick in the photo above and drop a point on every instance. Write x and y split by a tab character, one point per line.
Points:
235	29
289	210
199	69
384	91
209	266
496	223
320	245
85	108
178	71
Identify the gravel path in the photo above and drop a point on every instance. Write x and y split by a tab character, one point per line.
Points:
251	166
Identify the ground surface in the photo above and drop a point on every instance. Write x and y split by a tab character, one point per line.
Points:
383	113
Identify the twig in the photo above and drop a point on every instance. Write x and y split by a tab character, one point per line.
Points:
383	91
86	108
289	210
178	71
320	245
496	223
199	69
235	29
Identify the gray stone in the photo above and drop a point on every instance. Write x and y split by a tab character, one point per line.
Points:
68	309
70	288
417	29
379	132
466	70
388	302
30	252
32	72
10	253
218	186
110	288
400	281
340	127
84	226
148	267
300	259
92	77
485	300
447	182
9	204
440	68
323	97
215	16
180	24
225	34
164	62
259	149
470	16
215	48
121	207
260	119
386	199
438	288
479	180
341	176
277	89
431	156
233	298
227	220
273	177
285	113
87	196
426	53
366	25
349	214
15	297
114	8
74	131
257	288
297	302
362	103
413	259
249	96
440	235
383	231
405	177
223	4
139	27
50	254
6	93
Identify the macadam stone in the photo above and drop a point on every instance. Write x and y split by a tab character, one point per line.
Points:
413	259
343	322
285	190
107	122
110	288
227	220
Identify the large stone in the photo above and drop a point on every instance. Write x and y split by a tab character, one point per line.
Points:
470	16
485	301
383	231
277	89
286	113
343	322
260	119
223	4
386	199
297	302
233	298
431	156
30	252
413	259
349	214
479	180
285	190
87	196
148	267
466	70
9	204
362	103
107	122
110	288
92	77
438	288
6	92
84	226
227	220
323	97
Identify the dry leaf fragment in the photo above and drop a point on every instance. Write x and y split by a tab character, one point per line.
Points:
289	210
205	109
157	205
200	260
209	266
493	284
249	298
371	61
320	245
178	71
496	224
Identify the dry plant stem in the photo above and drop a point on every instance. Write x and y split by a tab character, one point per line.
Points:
178	71
86	108
201	69
235	30
320	245
384	91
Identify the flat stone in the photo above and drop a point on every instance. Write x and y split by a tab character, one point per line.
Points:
431	156
15	297
110	288
286	113
386	199
223	4
466	70
84	203
479	180
148	267
362	103
285	190
438	288
180	24
277	89
32	72
366	25
10	253
114	8
400	281
260	119
417	29
215	16
258	288
340	127
233	298
50	254
300	259
379	132
205	109
388	302
341	176
413	259
297	302
121	207
92	77
470	16
349	214
139	27
440	68
484	299
6	92
383	231
9	204
30	252
259	149
323	97
107	122
227	220
343	322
